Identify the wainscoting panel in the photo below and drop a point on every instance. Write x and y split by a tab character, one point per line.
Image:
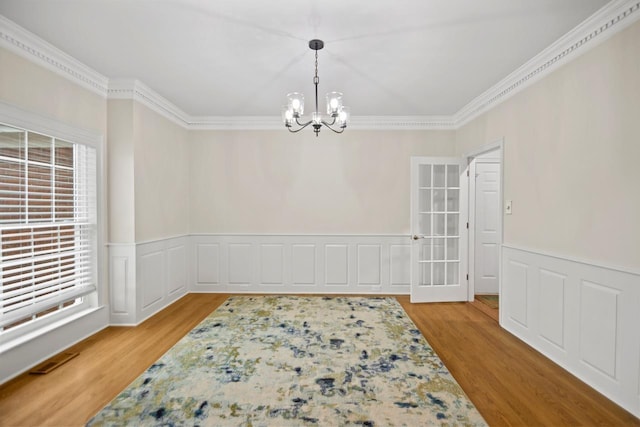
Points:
240	263
122	283
118	273
336	265
301	264
518	293
551	310
177	268
272	264
369	264
152	277
582	316
208	263
146	278
599	327
400	265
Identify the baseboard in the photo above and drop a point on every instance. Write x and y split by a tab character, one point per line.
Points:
582	316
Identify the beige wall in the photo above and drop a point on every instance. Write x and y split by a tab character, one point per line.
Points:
572	144
571	148
121	172
36	89
275	182
161	176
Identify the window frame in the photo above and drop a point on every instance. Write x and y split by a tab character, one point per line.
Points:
17	117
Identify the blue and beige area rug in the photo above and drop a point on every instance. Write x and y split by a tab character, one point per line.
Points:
284	360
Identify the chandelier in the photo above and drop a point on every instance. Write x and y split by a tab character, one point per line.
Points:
293	111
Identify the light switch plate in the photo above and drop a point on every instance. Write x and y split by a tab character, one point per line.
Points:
507	207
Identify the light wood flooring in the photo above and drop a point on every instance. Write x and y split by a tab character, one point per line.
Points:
510	383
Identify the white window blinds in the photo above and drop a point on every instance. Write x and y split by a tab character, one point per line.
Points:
47	224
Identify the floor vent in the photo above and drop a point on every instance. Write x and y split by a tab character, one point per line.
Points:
53	363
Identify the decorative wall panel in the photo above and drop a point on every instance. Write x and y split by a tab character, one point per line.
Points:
582	316
336	264
208	263
369	264
301	263
551	310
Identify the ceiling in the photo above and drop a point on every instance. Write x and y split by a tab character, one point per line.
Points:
240	58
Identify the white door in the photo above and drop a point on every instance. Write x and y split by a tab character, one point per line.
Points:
438	193
487	236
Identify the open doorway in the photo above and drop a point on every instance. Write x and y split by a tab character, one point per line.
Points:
485	228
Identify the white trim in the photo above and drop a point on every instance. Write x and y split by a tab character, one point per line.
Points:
438	293
19	356
40	344
471	157
235	123
26	44
578	260
612	18
402	123
289	235
25	119
580	315
318	264
498	144
138	91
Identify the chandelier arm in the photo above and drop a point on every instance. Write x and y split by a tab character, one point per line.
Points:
302	126
328	125
296	130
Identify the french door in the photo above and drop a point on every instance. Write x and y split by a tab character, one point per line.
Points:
438	212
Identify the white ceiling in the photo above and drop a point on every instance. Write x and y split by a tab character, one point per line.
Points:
240	57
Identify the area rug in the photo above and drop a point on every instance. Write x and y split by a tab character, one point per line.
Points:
284	360
493	301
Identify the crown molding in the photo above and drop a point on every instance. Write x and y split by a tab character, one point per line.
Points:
609	20
136	90
402	123
235	123
612	18
20	41
356	123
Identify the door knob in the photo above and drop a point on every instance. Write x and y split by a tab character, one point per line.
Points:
415	237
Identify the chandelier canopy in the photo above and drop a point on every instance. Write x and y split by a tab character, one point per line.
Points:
293	111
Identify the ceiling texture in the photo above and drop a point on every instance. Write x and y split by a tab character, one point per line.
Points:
241	57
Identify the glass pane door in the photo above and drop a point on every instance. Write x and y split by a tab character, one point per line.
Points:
436	224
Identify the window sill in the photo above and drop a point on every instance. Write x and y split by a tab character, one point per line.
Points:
12	343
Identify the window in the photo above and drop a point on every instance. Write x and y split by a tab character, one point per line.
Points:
48	226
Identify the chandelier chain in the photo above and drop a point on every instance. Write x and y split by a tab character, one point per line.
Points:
316	79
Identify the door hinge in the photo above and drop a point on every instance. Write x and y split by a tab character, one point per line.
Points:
467	225
467	172
467	277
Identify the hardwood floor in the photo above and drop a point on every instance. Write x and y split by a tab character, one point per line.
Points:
494	313
510	383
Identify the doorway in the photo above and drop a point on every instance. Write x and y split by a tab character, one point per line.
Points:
485	228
